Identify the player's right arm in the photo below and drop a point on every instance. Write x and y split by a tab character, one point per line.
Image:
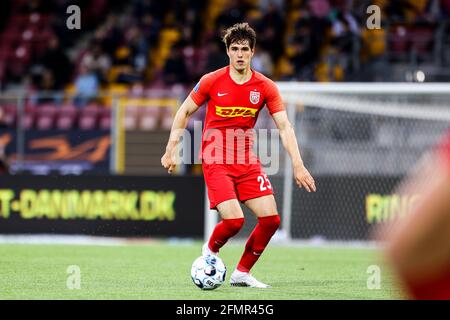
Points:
198	96
187	108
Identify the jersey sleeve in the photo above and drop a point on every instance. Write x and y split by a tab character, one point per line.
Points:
200	93
273	98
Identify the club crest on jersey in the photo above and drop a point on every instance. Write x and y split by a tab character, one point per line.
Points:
254	97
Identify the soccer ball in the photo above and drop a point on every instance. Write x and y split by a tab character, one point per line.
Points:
208	272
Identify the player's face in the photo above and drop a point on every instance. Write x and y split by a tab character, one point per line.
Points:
240	55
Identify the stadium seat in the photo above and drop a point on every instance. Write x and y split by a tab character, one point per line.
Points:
148	123
5	52
29	121
131	117
105	118
67	117
105	111
130	122
167	119
105	122
10	37
45	116
9	115
29	117
166	123
87	123
149	118
154	111
88	119
18	21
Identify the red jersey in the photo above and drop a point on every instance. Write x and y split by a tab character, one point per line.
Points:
232	106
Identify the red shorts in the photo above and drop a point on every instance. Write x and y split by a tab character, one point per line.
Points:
235	181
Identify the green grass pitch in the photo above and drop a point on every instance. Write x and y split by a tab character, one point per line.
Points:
162	271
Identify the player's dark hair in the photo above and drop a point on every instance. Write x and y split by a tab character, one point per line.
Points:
238	33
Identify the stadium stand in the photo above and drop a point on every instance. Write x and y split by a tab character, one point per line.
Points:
146	41
148	49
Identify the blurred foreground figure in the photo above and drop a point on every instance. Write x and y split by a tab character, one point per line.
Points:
418	243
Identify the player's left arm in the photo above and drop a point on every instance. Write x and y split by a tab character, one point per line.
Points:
302	176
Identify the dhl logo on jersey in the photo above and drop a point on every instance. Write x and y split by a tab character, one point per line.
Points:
230	112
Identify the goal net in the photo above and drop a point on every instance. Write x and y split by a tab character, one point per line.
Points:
358	141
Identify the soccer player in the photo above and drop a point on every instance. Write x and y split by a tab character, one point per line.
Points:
233	174
418	243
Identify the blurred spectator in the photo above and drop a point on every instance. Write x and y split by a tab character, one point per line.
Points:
123	71
110	34
273	18
313	34
138	48
86	86
269	34
217	57
175	70
150	27
4	167
445	8
302	59
319	23
344	27
157	8
286	70
331	67
35	6
57	62
46	89
264	5
303	52
234	12
97	61
5	7
401	10
132	42
262	62
319	8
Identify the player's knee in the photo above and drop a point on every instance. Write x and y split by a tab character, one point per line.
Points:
234	225
270	223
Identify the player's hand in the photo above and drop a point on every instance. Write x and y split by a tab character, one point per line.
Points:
168	161
304	179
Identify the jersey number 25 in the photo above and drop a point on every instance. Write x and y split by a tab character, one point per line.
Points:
264	183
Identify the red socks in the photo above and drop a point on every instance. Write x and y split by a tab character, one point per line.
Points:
223	231
258	241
